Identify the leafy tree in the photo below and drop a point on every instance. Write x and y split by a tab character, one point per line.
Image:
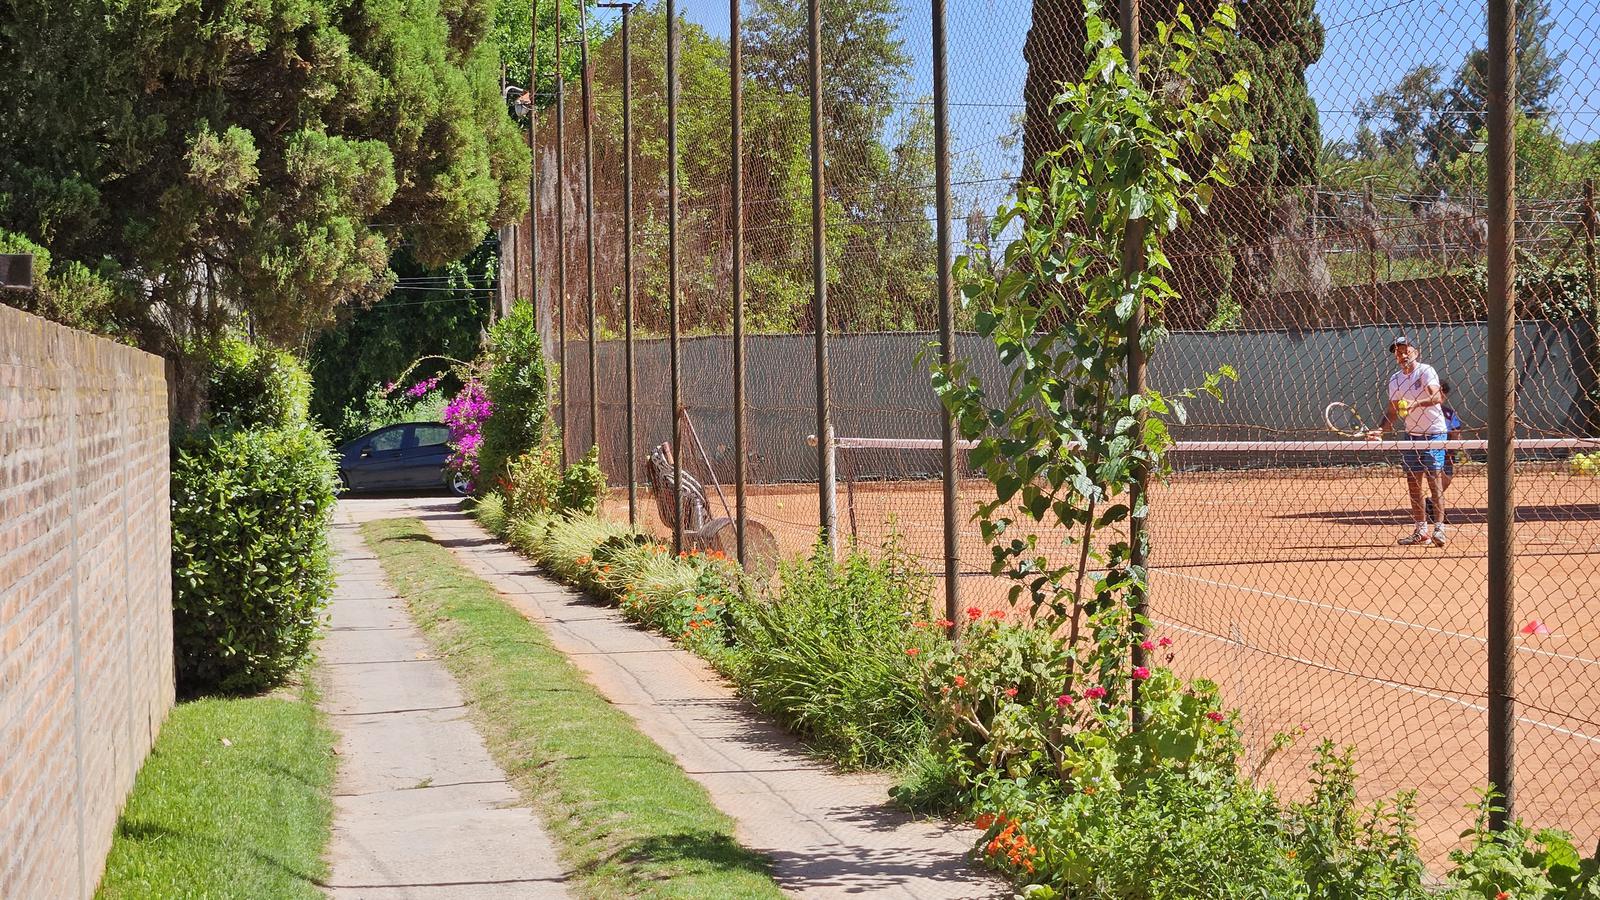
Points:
1232	251
1436	121
431	311
252	160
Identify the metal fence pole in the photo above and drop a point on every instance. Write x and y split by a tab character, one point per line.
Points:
1502	406
627	254
1133	261
533	159
826	481
672	272
561	236
588	220
736	175
947	313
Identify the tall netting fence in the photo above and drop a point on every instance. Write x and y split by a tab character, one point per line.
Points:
1277	557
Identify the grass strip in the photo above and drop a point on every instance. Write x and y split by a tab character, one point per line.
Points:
233	801
628	820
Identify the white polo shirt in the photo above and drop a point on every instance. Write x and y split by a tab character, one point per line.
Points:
1420	420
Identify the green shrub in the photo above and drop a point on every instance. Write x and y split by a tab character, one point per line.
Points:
517	385
250	511
832	653
490	511
255	387
1519	861
532	481
582	485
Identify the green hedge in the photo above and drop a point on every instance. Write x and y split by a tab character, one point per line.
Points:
250	512
248	386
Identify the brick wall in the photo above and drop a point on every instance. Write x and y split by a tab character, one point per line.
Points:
85	596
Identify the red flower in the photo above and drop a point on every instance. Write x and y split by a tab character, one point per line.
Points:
960	680
1503	895
1140	673
1147	645
997	614
1064	701
912	651
974	613
985	820
1095	693
1011	692
945	623
1214	716
1165	642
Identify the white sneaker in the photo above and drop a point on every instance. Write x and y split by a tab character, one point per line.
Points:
1438	535
1419	536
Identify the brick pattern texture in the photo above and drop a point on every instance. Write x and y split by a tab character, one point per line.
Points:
85	596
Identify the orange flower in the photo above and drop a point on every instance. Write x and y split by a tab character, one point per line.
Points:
984	821
583	560
912	651
699	608
961	681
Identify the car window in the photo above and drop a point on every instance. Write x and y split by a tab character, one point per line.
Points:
388	439
431	435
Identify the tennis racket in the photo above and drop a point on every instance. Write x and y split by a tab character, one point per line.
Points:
1342	419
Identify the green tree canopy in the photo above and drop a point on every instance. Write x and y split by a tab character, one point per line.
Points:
255	159
1230	252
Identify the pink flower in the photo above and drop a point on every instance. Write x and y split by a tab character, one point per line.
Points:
912	651
1214	716
974	613
1094	693
1165	642
1011	692
1140	673
1147	645
997	614
1064	701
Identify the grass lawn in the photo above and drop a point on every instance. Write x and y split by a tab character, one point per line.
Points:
628	820
248	818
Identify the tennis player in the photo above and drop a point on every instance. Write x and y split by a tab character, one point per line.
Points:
1416	397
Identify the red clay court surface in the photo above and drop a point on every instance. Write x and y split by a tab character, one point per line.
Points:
1287	588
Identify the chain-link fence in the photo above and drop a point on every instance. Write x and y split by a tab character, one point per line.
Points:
1280	557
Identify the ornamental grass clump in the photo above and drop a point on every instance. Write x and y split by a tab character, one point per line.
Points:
832	652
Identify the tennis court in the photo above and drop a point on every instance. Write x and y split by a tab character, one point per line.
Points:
1285	585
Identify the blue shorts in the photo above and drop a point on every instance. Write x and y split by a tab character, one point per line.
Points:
1423	460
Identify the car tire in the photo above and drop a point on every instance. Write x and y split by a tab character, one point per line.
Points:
460	484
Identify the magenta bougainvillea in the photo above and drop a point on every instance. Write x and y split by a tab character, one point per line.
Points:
465	415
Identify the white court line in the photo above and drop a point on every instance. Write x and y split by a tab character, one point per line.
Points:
1388	620
1477	707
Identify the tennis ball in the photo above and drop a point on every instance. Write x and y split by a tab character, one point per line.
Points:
1403	405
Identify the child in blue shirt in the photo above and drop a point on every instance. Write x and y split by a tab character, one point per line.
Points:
1453	426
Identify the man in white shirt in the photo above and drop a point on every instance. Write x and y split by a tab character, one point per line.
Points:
1415	397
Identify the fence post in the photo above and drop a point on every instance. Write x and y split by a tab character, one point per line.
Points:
1502	406
561	237
672	272
736	175
588	219
533	160
1138	494
826	481
947	315
632	461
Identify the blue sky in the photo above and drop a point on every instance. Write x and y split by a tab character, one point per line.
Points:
1370	44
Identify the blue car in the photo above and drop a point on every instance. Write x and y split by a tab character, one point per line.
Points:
400	458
